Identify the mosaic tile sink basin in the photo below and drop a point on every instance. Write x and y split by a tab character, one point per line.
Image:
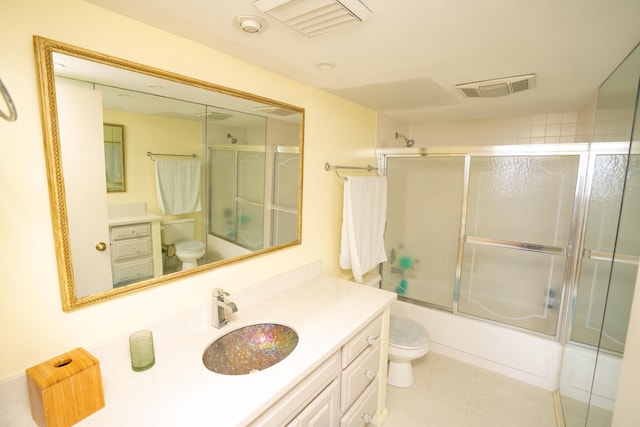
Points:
250	349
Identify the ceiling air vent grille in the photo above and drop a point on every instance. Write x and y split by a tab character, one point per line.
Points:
315	17
276	111
498	87
214	115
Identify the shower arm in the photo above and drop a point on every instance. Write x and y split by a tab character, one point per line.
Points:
408	141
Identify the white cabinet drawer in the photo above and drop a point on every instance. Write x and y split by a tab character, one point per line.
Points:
363	410
358	375
131	248
368	337
132	230
132	270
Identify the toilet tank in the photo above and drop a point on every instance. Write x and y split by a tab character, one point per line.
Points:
177	230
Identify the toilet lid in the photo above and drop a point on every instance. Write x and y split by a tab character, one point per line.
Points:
190	246
407	333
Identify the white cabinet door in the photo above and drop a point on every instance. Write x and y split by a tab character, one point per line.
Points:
82	153
324	410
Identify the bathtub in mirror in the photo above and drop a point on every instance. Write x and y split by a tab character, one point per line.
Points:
246	149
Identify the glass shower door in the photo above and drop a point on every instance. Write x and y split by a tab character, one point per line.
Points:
223	173
596	267
518	231
284	224
250	205
424	205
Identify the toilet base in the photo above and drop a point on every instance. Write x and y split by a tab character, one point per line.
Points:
400	374
189	264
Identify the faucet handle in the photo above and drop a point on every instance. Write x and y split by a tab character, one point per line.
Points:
220	293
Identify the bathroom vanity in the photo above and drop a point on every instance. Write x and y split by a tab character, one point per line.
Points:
134	237
131	253
335	376
342	391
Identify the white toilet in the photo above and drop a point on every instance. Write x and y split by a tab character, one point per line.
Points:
408	340
180	233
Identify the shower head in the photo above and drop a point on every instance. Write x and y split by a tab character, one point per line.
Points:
233	140
409	142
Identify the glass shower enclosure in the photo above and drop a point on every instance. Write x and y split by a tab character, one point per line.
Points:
522	237
487	232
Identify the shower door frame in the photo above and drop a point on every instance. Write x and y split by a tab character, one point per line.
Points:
586	154
595	149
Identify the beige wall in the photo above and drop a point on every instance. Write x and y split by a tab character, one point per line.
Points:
32	324
143	133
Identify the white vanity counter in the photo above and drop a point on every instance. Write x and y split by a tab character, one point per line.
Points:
179	391
133	219
130	213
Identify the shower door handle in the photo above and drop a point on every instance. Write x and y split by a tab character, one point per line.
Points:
523	246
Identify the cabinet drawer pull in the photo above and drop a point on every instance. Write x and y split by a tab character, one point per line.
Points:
369	374
371	340
366	417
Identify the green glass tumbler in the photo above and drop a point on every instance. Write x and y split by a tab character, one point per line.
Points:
141	348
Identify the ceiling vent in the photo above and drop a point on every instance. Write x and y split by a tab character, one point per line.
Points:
498	87
277	111
214	115
315	17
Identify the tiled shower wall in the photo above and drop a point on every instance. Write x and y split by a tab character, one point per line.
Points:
551	128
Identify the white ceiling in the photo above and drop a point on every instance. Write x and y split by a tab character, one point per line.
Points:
406	59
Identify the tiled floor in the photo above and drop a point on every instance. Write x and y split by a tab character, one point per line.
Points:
449	393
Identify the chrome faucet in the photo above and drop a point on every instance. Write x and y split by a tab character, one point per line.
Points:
220	305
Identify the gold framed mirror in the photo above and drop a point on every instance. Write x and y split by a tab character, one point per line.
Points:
114	157
213	174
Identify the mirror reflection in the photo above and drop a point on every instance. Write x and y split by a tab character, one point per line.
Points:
208	175
114	156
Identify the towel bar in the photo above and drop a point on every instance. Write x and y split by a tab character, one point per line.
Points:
328	167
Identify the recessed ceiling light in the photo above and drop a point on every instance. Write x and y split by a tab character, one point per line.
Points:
324	66
250	24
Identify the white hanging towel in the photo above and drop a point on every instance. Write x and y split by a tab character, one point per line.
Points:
178	186
363	221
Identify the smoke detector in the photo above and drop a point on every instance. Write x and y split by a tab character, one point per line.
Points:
315	17
250	24
498	87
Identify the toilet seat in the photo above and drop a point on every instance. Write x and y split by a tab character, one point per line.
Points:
407	334
190	247
408	341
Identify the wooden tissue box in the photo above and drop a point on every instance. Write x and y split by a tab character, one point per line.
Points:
65	389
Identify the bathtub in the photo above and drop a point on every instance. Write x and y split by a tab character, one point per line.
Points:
528	358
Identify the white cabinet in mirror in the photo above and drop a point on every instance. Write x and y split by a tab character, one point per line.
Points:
234	162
